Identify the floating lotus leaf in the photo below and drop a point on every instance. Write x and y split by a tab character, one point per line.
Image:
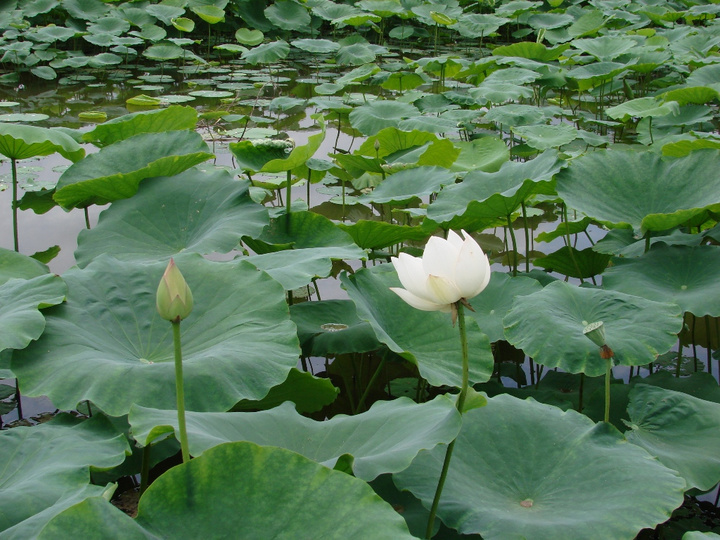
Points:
116	171
483	195
108	344
267	53
332	327
548	326
23	142
425	338
17	265
315	241
46	467
384	439
403	186
522	469
683	275
492	304
239	490
20	302
371	118
175	117
680	430
44	72
144	101
642	190
208	212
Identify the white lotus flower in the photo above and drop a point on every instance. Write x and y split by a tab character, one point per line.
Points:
449	271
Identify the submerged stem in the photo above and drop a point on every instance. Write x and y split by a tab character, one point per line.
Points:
460	404
180	392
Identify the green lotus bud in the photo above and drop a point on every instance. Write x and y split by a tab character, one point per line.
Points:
174	298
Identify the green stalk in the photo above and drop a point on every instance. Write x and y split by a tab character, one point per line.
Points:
608	374
460	404
14	204
287	202
361	401
180	392
514	244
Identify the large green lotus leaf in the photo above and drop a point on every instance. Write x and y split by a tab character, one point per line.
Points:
403	186
642	190
522	469
299	154
45	464
307	392
207	212
88	10
515	115
355	54
682	431
543	137
267	53
316	46
692	94
209	13
242	491
116	171
332	327
369	119
493	303
548	326
17	265
425	338
20	302
642	108
108	344
622	242
500	92
288	15
314	242
684	275
381	234
486	154
253	155
498	194
532	50
249	37
22	142
384	439
605	47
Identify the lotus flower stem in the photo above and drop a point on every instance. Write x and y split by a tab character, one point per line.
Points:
287	202
514	244
180	392
527	237
14	204
460	404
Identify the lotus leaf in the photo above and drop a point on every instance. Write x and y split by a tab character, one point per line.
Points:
249	37
17	265
23	142
548	326
384	439
288	15
680	274
425	338
116	171
175	117
108	335
208	212
409	184
273	482
332	327
267	53
642	190
554	458
371	118
680	430
47	466
315	242
20	302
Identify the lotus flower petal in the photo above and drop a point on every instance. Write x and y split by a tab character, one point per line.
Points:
419	303
440	258
444	290
412	276
472	272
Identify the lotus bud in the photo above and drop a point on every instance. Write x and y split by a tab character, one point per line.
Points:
376	145
174	298
595	333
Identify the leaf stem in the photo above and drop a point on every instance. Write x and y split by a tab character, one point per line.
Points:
180	392
14	204
460	404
